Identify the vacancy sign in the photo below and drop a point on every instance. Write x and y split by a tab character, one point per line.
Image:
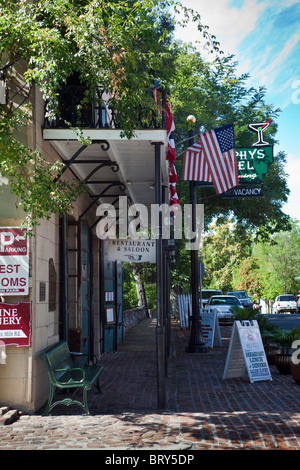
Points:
14	261
15	324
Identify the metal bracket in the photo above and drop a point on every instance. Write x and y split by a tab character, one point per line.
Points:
122	188
104	146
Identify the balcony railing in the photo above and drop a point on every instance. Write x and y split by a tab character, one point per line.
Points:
97	114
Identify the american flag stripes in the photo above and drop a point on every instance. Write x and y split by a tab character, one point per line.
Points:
195	168
213	159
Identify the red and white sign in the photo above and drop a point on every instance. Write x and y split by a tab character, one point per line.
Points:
14	261
15	324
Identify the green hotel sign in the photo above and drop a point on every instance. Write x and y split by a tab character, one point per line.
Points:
253	163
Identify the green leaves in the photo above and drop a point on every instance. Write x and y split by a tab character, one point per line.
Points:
32	178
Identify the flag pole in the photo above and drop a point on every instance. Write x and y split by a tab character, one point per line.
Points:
196	342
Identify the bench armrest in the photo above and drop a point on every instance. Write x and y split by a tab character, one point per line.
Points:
71	381
80	354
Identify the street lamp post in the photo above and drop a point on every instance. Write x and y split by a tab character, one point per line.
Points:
196	342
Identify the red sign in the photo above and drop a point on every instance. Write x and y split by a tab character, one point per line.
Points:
15	324
14	261
13	242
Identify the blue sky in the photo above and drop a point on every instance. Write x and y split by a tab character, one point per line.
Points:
264	36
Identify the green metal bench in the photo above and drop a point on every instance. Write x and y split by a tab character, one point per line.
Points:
64	373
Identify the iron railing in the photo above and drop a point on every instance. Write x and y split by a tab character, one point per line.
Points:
97	114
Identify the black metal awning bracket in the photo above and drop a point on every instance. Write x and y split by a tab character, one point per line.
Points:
122	188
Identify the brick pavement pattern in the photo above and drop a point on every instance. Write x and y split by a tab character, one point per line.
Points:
204	412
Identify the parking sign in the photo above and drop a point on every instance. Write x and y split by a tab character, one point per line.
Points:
14	261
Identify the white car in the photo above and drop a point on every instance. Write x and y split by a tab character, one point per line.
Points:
223	305
285	303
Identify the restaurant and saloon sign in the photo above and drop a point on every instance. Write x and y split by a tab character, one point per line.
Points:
15	324
132	250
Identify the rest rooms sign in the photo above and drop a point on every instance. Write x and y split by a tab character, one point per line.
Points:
15	324
253	163
14	261
137	250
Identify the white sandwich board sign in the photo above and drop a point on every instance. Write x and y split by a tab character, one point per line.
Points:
210	328
246	352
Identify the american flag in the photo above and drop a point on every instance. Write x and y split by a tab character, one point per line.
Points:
213	159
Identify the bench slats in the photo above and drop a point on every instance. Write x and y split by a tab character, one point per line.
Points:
64	374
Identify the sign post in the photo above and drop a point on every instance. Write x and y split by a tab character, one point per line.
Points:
246	352
14	261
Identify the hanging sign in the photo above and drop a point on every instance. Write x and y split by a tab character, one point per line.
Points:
15	324
244	191
246	352
210	328
137	250
14	261
253	163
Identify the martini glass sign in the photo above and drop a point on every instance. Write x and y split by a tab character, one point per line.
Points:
259	128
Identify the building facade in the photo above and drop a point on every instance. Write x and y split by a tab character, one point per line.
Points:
75	291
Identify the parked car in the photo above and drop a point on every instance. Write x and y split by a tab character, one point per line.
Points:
223	305
285	303
207	293
243	298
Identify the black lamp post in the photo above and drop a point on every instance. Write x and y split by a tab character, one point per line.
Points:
196	342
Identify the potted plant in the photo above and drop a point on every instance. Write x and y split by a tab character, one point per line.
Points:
284	340
267	329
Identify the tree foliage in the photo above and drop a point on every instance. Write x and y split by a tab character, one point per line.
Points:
121	46
279	262
225	247
217	96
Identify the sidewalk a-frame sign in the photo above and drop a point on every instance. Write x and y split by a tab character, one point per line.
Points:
210	328
246	353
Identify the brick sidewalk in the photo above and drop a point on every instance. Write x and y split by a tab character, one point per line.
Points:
203	411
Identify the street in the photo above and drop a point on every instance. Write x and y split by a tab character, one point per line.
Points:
286	321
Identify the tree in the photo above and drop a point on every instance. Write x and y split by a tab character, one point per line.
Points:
249	277
279	262
217	96
122	46
224	249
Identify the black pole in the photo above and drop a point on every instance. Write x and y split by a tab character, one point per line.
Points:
196	342
160	331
